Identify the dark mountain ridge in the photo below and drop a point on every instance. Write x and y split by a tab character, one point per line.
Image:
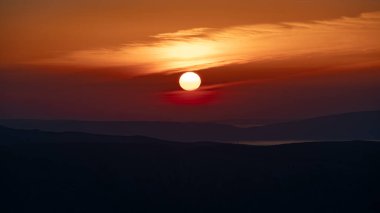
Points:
347	126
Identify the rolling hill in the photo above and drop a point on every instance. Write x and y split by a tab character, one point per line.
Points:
80	172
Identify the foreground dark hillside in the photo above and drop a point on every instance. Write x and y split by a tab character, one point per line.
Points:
70	172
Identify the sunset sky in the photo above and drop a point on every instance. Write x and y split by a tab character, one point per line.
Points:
262	60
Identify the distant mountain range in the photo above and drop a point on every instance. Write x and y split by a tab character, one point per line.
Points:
23	136
348	126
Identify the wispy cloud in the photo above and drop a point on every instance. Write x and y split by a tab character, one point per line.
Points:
200	48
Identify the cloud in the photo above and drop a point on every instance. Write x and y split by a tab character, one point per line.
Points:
340	42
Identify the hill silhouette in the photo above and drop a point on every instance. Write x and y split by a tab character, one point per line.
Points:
348	126
79	172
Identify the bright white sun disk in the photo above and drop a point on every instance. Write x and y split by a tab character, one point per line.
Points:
189	81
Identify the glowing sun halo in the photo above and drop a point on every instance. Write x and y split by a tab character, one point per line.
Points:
189	81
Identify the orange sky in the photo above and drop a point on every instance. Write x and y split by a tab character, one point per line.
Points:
259	60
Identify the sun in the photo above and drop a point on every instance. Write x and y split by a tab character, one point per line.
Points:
189	81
